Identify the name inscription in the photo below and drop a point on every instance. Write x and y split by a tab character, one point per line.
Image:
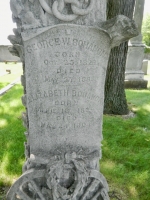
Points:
63	42
53	94
66	72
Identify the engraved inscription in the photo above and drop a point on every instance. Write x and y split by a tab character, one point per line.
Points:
53	94
67	72
70	42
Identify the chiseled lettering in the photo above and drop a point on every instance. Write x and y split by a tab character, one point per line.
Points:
39	45
66	117
66	41
57	41
64	103
84	79
68	71
49	79
81	125
46	43
86	95
47	94
29	49
34	46
75	42
51	42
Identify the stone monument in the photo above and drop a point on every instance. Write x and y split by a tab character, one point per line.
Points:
134	76
64	46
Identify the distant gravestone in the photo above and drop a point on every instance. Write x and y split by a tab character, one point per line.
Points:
134	75
64	46
145	66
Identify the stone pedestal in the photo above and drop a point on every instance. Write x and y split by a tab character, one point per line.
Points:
65	65
134	76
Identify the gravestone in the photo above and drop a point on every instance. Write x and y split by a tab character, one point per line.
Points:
145	66
134	76
64	46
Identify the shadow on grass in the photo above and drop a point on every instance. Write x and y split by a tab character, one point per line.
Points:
126	149
126	145
11	135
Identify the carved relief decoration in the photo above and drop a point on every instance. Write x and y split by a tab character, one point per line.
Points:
30	14
76	7
65	178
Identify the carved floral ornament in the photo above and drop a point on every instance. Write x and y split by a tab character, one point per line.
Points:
66	177
59	5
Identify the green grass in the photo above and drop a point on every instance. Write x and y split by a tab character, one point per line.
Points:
11	135
126	149
16	71
2	85
126	145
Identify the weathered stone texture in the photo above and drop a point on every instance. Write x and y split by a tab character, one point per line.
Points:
41	13
64	47
136	53
66	69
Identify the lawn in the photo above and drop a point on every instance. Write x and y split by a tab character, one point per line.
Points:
11	135
16	71
126	145
126	149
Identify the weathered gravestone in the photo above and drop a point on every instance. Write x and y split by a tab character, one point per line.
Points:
134	76
64	46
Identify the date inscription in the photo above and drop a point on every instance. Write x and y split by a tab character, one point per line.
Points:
65	80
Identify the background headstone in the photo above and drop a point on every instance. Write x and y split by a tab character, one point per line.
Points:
134	76
5	55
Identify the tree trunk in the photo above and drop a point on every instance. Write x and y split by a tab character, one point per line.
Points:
115	98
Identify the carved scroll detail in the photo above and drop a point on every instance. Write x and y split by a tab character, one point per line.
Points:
59	5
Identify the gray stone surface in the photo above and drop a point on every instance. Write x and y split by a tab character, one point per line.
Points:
43	13
65	102
138	17
64	74
136	84
145	66
136	50
134	63
134	71
5	55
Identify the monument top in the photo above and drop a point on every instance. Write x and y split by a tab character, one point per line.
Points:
40	13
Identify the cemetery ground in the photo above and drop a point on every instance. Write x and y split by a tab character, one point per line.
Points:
9	72
126	145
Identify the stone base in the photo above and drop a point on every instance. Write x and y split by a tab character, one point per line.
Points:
134	75
136	84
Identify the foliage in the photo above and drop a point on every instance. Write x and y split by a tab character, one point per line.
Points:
146	30
147	50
